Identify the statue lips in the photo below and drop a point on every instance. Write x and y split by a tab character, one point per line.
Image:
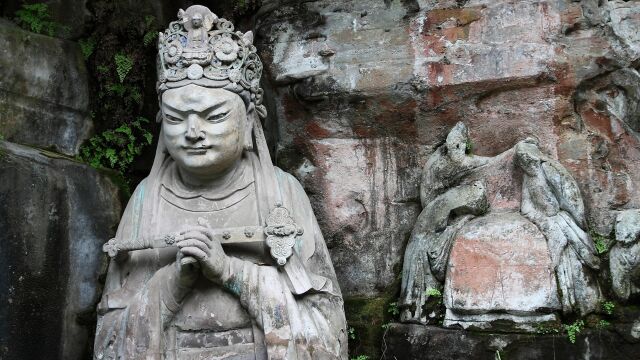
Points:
197	150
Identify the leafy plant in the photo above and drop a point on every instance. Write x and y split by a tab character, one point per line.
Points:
393	309
599	241
608	307
603	324
117	148
601	246
573	330
87	46
468	147
433	292
545	329
36	18
124	64
351	333
360	357
150	35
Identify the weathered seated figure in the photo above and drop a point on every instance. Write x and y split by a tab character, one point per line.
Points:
502	239
218	254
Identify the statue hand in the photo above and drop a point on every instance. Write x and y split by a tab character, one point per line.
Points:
200	243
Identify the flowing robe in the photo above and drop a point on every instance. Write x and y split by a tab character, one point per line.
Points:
259	311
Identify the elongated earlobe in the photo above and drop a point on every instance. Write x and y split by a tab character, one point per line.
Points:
248	132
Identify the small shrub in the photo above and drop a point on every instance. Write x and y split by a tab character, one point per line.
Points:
573	330
352	333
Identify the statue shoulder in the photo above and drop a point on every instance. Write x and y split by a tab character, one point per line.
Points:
289	183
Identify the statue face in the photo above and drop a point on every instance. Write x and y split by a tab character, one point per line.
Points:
203	129
528	157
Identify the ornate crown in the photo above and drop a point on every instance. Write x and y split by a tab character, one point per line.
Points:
203	49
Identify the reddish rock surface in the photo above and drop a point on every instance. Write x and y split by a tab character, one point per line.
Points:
500	262
362	91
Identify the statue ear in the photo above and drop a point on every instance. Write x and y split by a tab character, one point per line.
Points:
248	37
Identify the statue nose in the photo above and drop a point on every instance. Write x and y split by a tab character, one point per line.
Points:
194	133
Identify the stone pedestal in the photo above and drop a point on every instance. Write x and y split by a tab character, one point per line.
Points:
499	269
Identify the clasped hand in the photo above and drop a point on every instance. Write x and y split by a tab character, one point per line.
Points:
200	244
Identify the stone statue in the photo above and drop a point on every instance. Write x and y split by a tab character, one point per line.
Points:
501	239
218	254
446	208
551	199
624	257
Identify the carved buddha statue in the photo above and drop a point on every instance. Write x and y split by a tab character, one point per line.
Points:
218	253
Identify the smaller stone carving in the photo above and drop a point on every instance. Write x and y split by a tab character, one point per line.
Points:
446	209
551	200
502	239
624	257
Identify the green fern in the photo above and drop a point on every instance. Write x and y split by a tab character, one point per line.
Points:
124	64
36	18
117	148
608	307
573	330
149	37
87	46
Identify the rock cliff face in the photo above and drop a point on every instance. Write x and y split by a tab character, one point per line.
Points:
44	91
363	90
360	93
56	212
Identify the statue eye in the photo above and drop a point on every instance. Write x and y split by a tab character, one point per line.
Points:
216	118
172	119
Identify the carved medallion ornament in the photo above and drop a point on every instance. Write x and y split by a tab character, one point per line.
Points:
202	46
281	234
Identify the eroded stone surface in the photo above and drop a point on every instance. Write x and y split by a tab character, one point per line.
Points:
500	262
405	341
362	73
624	257
44	91
56	215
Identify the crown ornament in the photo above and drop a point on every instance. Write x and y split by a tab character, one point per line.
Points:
204	49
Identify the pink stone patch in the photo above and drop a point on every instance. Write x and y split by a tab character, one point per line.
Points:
500	262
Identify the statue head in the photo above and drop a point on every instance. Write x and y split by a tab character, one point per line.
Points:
209	92
528	156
